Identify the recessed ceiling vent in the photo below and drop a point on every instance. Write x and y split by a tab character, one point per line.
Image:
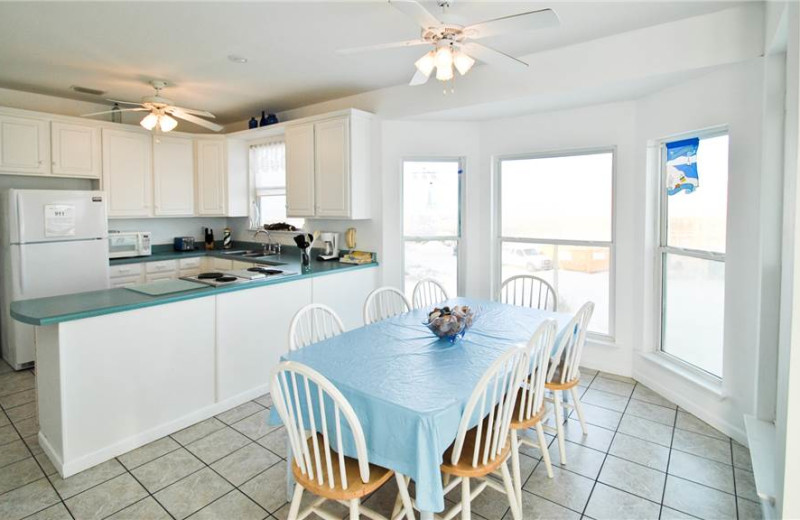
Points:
85	90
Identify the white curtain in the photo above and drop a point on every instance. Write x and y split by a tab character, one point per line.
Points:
268	164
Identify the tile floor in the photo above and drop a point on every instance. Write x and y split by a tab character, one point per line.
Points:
643	458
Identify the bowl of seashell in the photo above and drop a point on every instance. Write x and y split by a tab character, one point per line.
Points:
450	322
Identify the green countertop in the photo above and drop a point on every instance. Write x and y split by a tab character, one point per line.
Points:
57	309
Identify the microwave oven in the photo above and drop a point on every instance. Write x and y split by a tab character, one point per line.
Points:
124	244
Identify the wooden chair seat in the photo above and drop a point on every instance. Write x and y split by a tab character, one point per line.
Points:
464	466
378	476
516	424
557	377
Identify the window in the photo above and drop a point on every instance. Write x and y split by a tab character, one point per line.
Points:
268	174
432	222
692	259
556	222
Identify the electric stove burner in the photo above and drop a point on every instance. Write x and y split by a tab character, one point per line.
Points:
225	278
210	276
264	270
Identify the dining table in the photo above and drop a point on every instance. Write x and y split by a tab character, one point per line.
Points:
409	388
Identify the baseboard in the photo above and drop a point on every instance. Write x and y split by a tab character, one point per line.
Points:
78	464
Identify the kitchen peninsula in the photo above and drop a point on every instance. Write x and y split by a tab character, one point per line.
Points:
117	369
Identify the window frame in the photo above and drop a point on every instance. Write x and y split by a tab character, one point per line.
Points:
459	238
255	193
610	337
662	248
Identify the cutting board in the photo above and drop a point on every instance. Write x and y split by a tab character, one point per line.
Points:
163	287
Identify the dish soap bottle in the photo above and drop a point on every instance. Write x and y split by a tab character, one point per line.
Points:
209	238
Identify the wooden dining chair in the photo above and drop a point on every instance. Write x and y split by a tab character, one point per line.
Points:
427	293
312	408
564	373
485	449
530	409
314	322
383	303
527	290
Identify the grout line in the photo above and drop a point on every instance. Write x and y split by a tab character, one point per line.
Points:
669	461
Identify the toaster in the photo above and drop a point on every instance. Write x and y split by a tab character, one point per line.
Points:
183	243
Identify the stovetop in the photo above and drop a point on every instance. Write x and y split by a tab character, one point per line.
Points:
219	279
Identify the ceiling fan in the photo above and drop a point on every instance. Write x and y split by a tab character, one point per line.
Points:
453	44
161	111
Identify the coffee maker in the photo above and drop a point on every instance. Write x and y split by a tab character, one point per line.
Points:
331	241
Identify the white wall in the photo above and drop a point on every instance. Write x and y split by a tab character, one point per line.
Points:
731	96
165	229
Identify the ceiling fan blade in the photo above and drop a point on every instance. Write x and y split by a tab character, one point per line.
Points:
416	12
196	112
193	119
118	110
123	102
419	79
533	20
381	46
492	56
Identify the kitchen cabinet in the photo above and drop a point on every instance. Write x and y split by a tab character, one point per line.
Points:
190	266
328	167
161	270
218	264
345	293
75	150
24	145
173	176
222	177
300	170
126	275
128	172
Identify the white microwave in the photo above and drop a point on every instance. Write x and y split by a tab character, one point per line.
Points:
124	244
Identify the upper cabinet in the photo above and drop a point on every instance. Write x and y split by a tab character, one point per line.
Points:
173	176
24	145
222	177
328	167
128	172
75	150
300	170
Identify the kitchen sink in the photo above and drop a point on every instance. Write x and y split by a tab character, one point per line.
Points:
263	260
239	252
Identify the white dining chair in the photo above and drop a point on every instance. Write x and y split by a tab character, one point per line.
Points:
530	410
383	303
312	408
564	374
314	322
485	449
527	290
427	293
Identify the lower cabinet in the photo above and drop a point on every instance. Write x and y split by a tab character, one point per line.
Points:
345	293
126	275
162	270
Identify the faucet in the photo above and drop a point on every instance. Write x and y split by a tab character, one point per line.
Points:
269	247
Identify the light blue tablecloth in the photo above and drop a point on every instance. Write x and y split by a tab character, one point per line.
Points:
409	388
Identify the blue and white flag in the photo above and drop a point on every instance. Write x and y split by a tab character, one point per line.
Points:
682	166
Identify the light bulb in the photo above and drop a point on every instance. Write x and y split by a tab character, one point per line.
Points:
444	73
462	62
167	123
444	57
149	121
426	63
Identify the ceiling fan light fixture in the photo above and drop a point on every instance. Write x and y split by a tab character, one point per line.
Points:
167	123
426	63
463	62
444	58
150	121
444	73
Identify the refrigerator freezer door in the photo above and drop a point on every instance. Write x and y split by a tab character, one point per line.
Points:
55	215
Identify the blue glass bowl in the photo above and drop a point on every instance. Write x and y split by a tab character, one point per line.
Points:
452	326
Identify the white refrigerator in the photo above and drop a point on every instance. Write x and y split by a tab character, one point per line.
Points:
53	242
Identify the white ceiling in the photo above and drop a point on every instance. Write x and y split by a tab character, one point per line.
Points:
117	47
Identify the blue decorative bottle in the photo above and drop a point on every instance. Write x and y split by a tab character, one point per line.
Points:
263	119
252	123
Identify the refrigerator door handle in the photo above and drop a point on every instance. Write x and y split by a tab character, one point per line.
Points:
21	250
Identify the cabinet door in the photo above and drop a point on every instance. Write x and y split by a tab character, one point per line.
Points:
332	179
211	180
76	150
128	173
300	171
173	175
24	145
